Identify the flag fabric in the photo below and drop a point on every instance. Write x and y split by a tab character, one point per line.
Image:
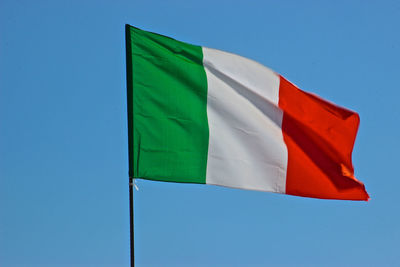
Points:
201	115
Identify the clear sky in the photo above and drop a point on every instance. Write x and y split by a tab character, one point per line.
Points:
63	136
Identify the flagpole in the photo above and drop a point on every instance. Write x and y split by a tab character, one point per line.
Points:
131	222
129	95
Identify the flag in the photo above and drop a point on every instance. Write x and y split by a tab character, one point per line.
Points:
201	115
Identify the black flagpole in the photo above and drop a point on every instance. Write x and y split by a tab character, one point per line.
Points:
131	222
129	95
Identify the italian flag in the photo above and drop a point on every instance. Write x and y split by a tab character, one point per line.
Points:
201	115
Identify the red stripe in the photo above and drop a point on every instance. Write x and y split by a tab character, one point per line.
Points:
320	138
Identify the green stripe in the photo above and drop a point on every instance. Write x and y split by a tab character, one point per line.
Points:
167	108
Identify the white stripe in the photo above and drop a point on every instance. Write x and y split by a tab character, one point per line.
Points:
246	148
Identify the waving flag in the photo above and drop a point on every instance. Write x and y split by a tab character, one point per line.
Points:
200	115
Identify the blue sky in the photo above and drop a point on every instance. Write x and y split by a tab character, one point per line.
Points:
63	136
